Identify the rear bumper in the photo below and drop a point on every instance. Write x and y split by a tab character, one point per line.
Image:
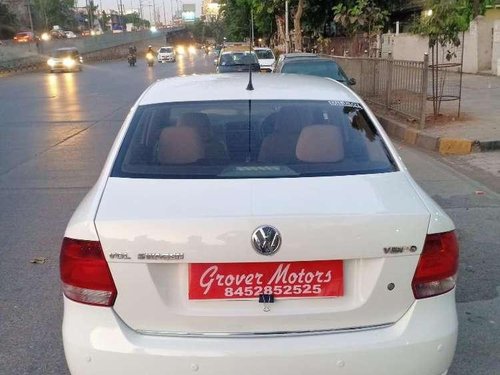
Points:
422	342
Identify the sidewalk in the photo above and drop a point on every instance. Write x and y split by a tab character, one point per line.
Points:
477	129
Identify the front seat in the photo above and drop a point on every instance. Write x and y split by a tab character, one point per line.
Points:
279	147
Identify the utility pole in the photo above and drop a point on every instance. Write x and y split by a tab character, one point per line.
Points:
29	13
287	35
140	14
154	13
172	11
164	14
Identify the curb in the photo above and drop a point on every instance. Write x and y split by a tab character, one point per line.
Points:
445	146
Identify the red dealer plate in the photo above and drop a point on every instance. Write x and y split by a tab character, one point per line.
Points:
249	280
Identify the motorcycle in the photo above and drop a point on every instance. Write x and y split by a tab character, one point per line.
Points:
132	60
150	59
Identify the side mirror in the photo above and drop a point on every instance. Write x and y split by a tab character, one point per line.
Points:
352	81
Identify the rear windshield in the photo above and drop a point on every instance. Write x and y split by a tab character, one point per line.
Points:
264	54
238	58
166	50
320	68
251	139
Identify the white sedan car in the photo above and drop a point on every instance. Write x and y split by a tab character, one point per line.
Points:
166	54
266	59
265	231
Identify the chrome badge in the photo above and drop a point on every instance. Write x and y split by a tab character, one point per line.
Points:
400	249
266	240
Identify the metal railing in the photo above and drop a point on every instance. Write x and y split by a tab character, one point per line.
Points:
397	85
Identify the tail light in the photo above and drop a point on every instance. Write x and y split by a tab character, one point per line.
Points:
437	267
85	274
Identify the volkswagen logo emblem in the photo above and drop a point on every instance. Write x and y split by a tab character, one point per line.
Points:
266	240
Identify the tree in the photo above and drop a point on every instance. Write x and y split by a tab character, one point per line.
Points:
135	19
47	13
443	24
8	22
236	18
360	15
297	28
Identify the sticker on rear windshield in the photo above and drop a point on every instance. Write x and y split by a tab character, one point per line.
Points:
343	103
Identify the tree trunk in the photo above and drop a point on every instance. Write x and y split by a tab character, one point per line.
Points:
297	26
280	25
475	8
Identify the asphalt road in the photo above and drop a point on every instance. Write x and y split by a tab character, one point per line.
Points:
55	133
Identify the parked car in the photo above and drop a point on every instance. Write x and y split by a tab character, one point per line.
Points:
321	67
57	34
166	54
237	61
273	231
294	55
65	60
24	37
70	34
266	58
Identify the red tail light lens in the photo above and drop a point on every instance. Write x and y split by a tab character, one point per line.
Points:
437	267
85	274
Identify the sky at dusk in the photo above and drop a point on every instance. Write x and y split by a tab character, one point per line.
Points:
134	4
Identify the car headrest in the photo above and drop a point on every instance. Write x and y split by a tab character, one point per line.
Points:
320	144
197	121
180	145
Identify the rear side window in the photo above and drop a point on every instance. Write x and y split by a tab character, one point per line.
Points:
251	139
328	69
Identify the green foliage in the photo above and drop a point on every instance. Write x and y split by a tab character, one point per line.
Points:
8	22
202	30
236	15
47	13
135	19
449	18
316	14
360	15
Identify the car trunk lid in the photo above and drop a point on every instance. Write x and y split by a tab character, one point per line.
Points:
158	233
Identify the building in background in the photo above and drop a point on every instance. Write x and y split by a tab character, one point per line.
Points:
188	12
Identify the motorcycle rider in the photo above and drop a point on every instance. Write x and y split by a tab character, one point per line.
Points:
132	53
150	56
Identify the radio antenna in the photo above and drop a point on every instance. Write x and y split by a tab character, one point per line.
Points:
250	85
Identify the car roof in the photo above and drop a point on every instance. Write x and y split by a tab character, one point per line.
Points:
298	60
299	54
262	49
224	52
232	86
236	49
